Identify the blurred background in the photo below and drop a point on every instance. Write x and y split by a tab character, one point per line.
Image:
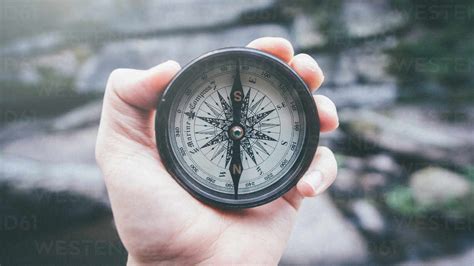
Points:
400	72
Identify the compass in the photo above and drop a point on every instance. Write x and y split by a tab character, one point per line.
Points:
237	128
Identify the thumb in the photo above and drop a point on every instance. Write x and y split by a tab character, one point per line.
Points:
129	104
141	88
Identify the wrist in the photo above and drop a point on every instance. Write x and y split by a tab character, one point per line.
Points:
182	260
212	260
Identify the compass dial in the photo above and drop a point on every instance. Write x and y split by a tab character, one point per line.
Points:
237	128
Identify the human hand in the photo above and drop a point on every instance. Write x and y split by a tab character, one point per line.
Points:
157	220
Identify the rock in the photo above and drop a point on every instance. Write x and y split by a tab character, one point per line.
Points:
48	169
383	163
344	73
346	182
361	65
61	147
32	45
369	218
373	95
25	175
332	140
412	132
83	116
306	33
433	186
464	258
92	20
144	54
371	182
69	138
323	237
156	15
352	163
364	18
23	127
54	195
370	66
41	84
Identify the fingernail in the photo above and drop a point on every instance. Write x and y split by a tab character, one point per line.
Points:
172	63
165	65
310	63
320	188
314	180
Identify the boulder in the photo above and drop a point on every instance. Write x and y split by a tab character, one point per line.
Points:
94	20
27	175
358	95
143	54
368	216
53	195
83	116
372	182
464	258
61	147
168	15
383	163
365	18
48	169
306	33
414	132
346	182
23	127
322	236
433	186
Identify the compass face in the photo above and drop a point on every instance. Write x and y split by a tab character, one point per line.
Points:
237	128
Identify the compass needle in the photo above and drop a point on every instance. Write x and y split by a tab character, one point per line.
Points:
236	98
237	128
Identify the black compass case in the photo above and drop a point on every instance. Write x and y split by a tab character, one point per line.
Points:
211	197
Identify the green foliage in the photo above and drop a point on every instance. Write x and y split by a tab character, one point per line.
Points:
400	200
470	173
436	58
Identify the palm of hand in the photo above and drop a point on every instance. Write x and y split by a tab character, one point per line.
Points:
158	218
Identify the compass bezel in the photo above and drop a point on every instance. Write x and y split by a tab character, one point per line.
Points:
215	198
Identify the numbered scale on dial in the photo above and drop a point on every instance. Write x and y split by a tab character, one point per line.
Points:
237	128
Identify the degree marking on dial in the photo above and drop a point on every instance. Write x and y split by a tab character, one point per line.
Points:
262	126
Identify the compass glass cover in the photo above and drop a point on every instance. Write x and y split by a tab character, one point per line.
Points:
236	127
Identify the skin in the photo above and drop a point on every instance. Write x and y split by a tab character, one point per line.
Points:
157	220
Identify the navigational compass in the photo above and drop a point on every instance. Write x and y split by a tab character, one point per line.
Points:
237	128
